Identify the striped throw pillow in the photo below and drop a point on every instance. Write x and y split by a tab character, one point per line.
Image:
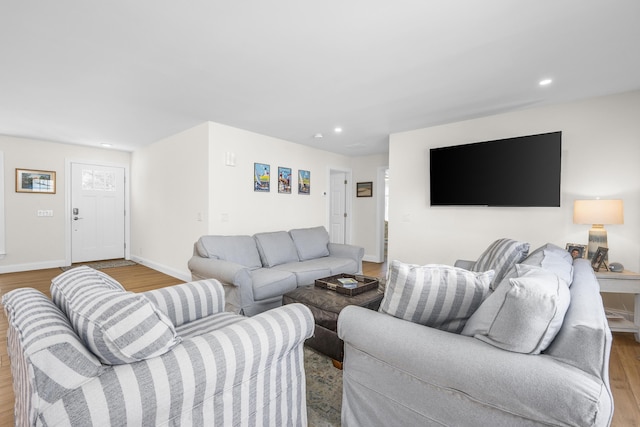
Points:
439	296
119	327
501	256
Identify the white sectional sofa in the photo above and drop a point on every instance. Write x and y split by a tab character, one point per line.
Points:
257	270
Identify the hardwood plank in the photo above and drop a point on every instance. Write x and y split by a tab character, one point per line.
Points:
624	364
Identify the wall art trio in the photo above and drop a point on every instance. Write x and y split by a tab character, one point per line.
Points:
262	179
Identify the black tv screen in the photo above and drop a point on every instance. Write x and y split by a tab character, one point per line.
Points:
521	171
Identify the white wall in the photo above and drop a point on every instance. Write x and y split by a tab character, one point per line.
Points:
182	189
600	158
236	209
368	213
170	197
34	242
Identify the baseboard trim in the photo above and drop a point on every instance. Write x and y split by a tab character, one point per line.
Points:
16	268
186	277
371	258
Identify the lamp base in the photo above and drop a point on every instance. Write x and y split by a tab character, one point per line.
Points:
597	237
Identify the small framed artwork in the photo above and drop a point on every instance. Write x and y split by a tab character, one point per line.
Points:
577	250
35	181
284	180
304	182
261	177
598	258
364	189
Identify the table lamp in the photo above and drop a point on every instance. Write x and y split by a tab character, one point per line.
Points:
597	213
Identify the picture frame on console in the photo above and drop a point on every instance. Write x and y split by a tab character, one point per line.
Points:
577	250
598	258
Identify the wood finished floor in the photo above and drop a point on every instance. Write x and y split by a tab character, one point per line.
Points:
624	365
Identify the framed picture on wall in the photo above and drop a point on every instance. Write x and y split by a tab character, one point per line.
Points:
284	180
261	177
35	181
304	182
364	189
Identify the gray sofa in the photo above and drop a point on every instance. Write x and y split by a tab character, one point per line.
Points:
412	374
97	355
257	270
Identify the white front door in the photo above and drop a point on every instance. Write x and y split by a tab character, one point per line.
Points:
337	234
97	212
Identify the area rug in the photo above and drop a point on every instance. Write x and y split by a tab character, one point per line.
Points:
324	390
101	265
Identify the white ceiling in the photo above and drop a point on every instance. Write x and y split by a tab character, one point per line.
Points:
131	72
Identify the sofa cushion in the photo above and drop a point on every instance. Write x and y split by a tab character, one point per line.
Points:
307	272
269	283
276	248
434	295
239	249
340	265
553	258
500	256
311	243
117	326
524	314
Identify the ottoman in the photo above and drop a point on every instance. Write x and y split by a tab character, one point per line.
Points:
326	304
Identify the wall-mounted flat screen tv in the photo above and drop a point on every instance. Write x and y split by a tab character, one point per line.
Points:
521	171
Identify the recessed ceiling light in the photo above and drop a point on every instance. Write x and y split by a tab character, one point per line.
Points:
545	82
338	130
318	135
104	144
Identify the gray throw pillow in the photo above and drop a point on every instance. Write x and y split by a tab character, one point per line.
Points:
238	249
434	295
276	248
500	256
311	243
524	314
119	327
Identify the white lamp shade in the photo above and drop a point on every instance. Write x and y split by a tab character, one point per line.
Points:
598	212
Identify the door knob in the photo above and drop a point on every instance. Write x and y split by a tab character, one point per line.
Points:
75	218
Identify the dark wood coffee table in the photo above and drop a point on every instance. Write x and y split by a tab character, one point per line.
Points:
326	305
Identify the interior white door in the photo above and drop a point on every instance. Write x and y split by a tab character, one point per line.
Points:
97	212
337	234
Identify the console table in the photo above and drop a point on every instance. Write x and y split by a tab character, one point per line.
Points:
626	282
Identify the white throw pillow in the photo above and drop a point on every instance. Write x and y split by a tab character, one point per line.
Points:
524	314
434	295
554	259
117	326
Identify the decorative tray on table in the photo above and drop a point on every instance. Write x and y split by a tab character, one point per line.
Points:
348	284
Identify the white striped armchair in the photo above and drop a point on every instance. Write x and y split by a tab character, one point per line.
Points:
218	368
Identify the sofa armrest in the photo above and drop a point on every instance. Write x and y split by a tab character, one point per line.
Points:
248	373
226	272
347	251
464	263
434	361
235	278
189	301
